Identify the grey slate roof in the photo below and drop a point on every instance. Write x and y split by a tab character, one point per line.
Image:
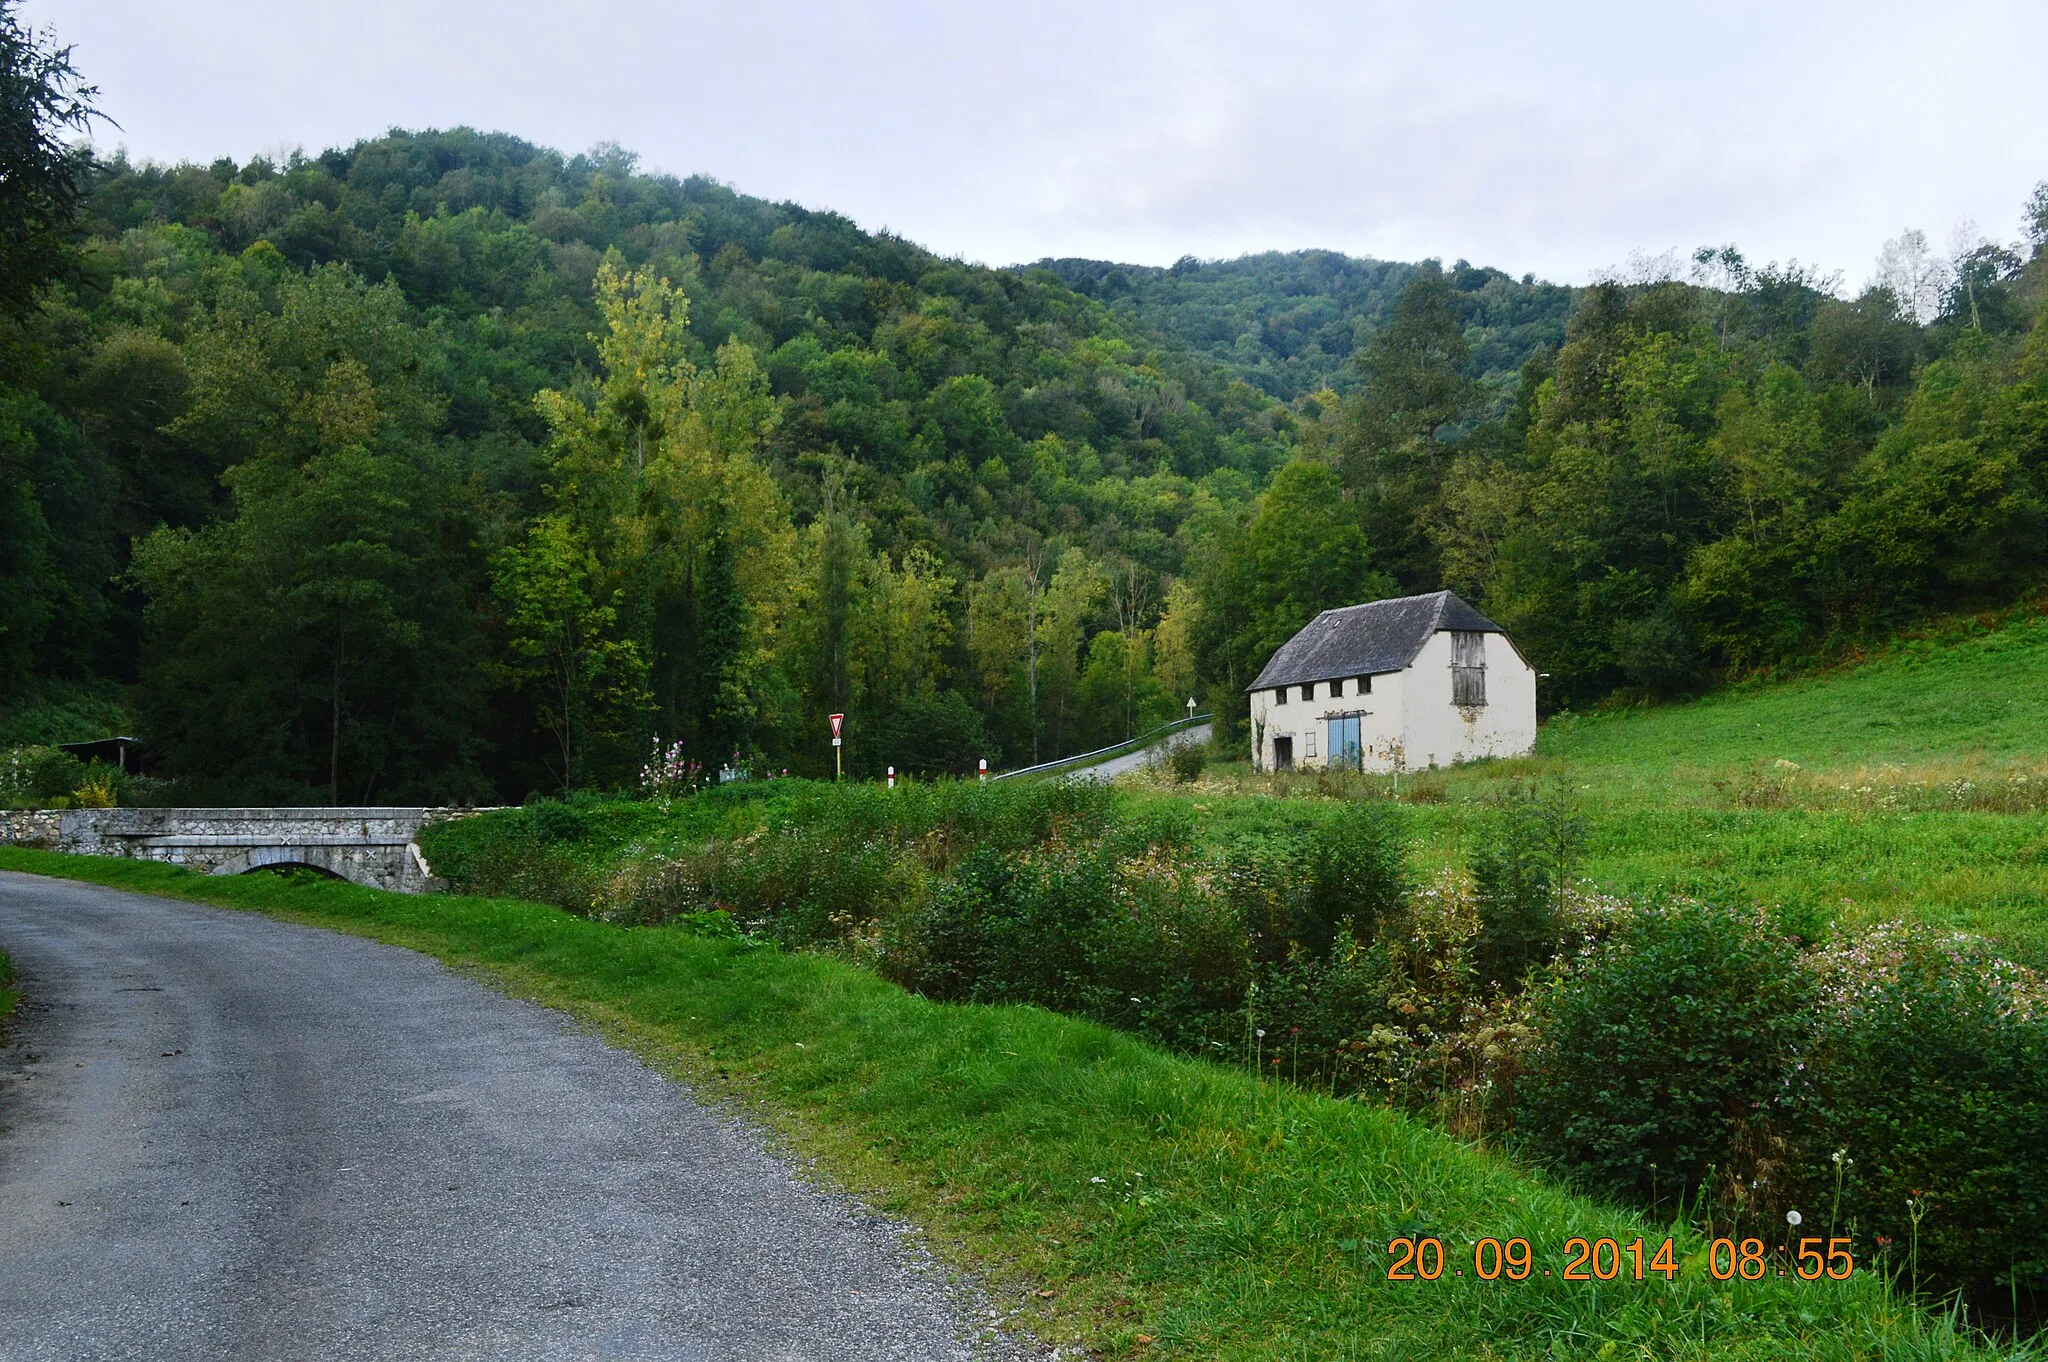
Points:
1359	640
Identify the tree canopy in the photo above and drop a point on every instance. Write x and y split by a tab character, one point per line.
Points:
444	466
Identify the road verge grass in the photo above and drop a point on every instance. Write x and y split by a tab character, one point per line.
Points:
1171	1207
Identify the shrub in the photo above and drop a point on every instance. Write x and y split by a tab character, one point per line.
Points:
1512	881
1353	872
1145	943
550	851
100	788
1929	1073
1186	762
1664	1051
36	777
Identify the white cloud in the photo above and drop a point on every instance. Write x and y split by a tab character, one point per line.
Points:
1554	138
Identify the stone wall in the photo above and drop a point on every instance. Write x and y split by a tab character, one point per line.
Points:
39	828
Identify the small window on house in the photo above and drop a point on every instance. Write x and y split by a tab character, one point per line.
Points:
1280	695
1308	743
1362	686
1337	688
1468	669
1308	692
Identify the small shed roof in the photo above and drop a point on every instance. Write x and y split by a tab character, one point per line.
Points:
1359	640
124	752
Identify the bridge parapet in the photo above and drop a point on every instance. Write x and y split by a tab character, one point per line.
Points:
375	846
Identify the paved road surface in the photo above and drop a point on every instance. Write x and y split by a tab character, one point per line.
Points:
1131	761
243	1139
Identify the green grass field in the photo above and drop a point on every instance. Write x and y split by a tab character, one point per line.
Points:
1146	1205
1174	1208
1912	786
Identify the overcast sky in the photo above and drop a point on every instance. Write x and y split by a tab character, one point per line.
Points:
1556	138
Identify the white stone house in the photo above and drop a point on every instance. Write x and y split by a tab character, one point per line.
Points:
1399	685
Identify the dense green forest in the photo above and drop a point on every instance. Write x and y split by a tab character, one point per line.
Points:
1291	325
445	467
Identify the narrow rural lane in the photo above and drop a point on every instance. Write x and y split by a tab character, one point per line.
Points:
244	1139
1135	761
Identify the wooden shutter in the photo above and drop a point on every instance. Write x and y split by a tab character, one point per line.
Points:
1468	669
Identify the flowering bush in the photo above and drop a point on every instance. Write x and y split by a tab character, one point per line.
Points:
1928	1071
667	774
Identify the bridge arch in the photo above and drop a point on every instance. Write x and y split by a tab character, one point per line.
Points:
335	861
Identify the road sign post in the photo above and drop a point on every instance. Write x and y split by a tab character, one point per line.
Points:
984	768
838	767
892	777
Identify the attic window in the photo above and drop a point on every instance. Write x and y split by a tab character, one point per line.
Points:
1362	686
1280	695
1308	692
1468	669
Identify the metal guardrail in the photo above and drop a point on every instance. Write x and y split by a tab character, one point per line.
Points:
1102	754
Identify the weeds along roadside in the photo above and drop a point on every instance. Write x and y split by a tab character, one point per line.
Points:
1287	939
1145	1204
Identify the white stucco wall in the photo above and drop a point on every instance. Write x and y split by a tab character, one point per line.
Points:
1408	722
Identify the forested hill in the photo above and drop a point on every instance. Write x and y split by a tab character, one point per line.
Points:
1290	323
445	466
945	420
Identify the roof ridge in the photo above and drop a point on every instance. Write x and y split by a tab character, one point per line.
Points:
1387	636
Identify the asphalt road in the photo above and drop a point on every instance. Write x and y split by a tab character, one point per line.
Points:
1133	761
244	1139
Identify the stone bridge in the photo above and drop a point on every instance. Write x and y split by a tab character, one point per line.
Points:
372	846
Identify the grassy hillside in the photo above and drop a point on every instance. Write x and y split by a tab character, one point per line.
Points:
1910	786
1971	699
1140	1204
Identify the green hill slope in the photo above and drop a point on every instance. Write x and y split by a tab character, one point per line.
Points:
1929	706
1913	786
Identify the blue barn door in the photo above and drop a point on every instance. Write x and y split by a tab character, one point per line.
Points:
1343	745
